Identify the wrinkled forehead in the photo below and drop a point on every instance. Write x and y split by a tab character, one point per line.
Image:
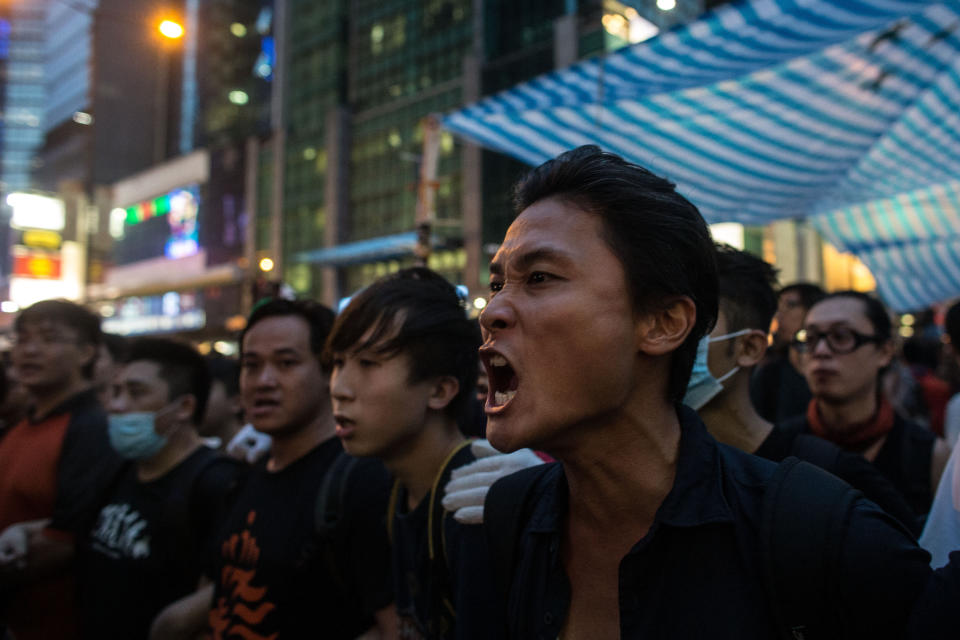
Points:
549	227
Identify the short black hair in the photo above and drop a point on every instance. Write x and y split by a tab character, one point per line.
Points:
418	312
810	294
117	346
84	322
747	289
318	317
181	367
224	370
658	236
872	308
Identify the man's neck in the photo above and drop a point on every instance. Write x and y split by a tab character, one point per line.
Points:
417	466
289	447
180	444
46	400
856	410
731	418
619	472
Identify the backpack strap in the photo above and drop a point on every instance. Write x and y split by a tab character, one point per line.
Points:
804	518
328	507
436	535
505	512
328	512
184	510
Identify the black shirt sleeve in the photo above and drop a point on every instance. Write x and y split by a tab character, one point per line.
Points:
883	571
367	544
88	465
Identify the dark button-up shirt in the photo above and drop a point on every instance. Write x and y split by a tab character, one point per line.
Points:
698	572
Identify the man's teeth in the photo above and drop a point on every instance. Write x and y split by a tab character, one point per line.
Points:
498	361
503	397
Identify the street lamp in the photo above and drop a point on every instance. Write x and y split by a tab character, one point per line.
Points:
170	29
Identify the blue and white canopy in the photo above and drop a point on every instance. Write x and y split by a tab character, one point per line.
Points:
846	113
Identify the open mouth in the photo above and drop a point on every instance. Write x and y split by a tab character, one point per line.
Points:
503	380
344	425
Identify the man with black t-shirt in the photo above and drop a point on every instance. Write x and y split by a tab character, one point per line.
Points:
275	576
404	359
146	548
734	347
54	465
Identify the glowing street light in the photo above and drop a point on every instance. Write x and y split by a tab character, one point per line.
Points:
266	264
666	5
171	29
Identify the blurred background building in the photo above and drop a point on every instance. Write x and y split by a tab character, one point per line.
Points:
274	142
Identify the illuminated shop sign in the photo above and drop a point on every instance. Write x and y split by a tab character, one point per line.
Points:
172	311
36	265
33	211
180	208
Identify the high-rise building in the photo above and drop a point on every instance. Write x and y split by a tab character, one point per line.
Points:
362	77
24	94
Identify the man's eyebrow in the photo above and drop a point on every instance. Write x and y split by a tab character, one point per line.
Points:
286	351
527	258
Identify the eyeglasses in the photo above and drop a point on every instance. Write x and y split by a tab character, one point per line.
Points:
840	340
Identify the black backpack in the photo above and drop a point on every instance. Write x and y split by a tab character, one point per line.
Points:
805	513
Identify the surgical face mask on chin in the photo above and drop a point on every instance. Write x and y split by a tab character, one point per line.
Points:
703	386
134	435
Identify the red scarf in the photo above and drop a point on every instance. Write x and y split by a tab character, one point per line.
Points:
856	437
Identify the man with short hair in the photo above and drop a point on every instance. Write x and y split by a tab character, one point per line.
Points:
55	464
147	547
404	358
730	353
778	389
647	527
275	574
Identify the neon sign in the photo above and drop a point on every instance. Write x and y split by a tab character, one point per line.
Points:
182	209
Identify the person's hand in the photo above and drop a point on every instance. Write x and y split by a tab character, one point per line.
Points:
469	484
249	444
14	545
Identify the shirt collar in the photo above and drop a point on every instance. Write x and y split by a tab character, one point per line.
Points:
84	398
697	496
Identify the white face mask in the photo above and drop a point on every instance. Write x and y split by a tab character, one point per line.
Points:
703	386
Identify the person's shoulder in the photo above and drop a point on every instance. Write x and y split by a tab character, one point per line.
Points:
218	473
914	430
744	468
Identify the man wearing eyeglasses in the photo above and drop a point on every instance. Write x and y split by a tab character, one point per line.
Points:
847	344
54	465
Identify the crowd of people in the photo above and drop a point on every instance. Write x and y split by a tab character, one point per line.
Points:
669	447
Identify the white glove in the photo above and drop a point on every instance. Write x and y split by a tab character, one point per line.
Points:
469	484
249	444
14	545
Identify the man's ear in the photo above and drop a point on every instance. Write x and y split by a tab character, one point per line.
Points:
445	389
663	330
752	347
887	350
89	354
185	406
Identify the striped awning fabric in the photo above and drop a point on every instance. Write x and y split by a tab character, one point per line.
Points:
846	113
